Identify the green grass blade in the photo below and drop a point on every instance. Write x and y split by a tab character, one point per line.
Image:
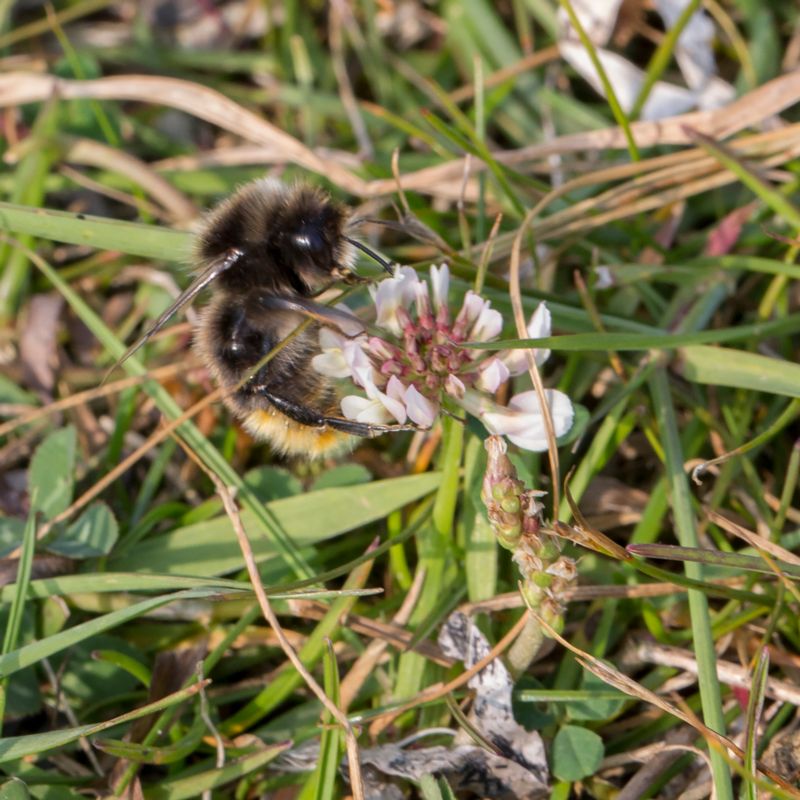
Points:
193	786
720	366
715	558
28	187
209	547
755	705
18	600
662	56
15	747
30	654
321	784
19	592
149	754
773	198
686	531
611	95
621	342
145	241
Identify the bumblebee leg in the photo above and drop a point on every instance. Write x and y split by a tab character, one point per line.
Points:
350	278
349	324
315	419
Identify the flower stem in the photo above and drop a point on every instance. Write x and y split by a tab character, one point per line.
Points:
434	548
444	507
525	647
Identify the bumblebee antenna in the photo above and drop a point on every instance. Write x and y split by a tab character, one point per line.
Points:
371	253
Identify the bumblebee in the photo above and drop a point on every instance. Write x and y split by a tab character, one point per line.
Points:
266	252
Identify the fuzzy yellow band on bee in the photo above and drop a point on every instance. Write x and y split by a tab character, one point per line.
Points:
290	438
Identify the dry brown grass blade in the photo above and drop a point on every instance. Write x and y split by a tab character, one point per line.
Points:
179	209
199	101
443	179
515	293
367	661
232	511
647	653
753	539
390	633
167	430
81	398
618	680
651	184
747	111
583	534
655	759
141	206
767	550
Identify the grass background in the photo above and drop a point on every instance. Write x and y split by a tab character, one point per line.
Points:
122	570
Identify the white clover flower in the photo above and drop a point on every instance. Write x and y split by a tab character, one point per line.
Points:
471	308
340	355
539	327
454	386
393	294
440	283
421	411
377	407
522	422
493	374
426	364
487	326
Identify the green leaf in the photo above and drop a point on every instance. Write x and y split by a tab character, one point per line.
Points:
93	534
51	475
343	475
210	548
81	671
96	582
11	393
14	789
11	530
150	754
577	753
272	483
429	788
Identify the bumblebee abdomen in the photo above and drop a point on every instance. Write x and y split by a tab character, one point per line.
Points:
293	439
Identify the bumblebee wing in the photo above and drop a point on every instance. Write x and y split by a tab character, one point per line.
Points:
213	271
348	324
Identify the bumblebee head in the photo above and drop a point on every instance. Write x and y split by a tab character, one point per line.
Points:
293	237
308	237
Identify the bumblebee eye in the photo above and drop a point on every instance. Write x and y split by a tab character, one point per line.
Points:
309	240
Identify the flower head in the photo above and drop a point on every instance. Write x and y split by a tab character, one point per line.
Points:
423	362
